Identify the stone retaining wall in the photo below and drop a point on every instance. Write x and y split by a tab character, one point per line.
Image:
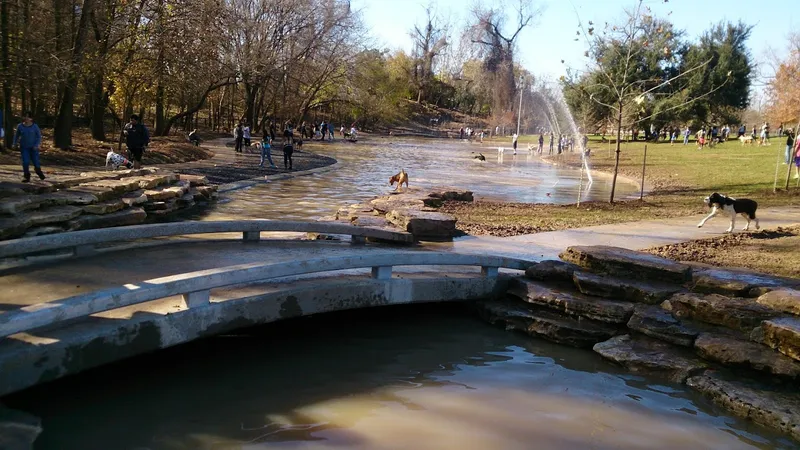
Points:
96	200
412	210
731	335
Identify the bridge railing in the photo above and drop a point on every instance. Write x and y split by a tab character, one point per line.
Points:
195	287
83	242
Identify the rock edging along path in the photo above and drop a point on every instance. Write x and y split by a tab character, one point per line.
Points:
96	200
688	324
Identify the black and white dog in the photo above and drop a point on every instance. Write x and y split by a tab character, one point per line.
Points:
745	207
115	160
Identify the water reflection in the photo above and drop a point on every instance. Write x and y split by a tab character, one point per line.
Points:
365	168
392	378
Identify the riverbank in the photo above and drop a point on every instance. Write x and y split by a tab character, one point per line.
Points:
677	178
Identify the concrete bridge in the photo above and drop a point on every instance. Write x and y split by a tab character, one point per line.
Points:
73	301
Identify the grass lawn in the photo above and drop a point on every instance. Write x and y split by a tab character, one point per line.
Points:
677	178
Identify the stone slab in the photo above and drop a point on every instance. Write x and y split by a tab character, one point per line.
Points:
130	216
187	201
161	195
12	206
105	207
194	180
389	203
43	230
153	181
659	324
119	187
67	197
627	263
11	227
736	313
424	224
570	303
784	300
745	354
650	356
632	290
53	214
371	221
99	192
551	270
135	198
548	325
736	282
35	186
783	334
779	410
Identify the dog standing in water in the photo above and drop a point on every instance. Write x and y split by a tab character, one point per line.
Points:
399	178
732	206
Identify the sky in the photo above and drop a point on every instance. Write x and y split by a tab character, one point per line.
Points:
551	38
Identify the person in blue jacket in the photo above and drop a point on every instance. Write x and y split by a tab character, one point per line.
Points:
28	138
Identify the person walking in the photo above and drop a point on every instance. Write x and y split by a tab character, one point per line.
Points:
789	146
514	142
288	150
28	138
330	131
238	135
246	134
686	133
266	152
137	138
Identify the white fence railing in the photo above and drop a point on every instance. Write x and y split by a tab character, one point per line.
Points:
195	287
83	242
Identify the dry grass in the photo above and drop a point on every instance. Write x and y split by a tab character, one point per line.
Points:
90	153
768	251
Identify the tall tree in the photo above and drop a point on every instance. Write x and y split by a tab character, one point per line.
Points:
62	136
430	40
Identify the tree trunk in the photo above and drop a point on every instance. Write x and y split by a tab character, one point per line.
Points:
6	61
62	135
98	108
251	93
616	161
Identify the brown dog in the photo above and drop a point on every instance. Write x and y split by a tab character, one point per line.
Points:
400	178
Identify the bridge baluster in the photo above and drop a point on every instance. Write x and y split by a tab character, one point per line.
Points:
382	272
197	299
489	271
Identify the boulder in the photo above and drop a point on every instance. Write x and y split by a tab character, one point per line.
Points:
784	300
779	410
745	354
12	227
106	207
573	304
650	356
657	323
650	292
783	334
627	263
424	224
732	312
53	214
451	194
545	324
551	270
130	216
15	205
67	197
194	180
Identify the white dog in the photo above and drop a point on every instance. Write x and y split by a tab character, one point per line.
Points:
115	160
746	139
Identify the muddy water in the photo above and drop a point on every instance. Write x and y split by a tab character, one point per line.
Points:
365	167
394	378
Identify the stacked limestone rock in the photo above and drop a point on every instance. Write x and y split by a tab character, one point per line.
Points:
96	200
732	335
413	211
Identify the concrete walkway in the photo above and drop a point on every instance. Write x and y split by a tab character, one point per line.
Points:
52	281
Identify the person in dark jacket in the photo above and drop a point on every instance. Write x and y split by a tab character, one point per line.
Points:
238	135
28	138
137	138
